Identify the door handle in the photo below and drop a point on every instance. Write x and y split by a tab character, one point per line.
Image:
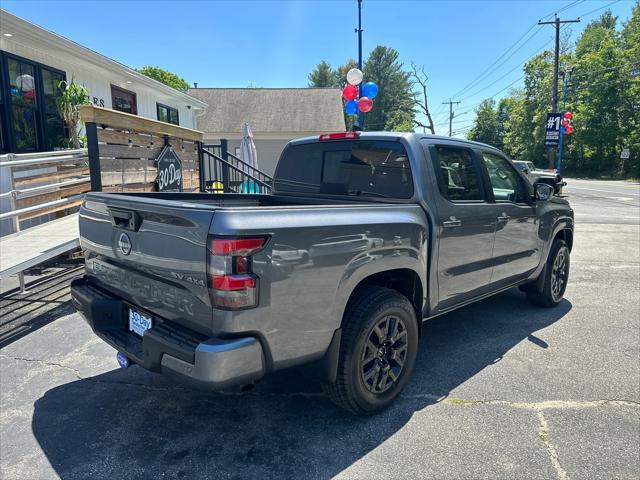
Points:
127	219
452	223
503	218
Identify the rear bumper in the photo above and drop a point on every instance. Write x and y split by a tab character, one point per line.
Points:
168	348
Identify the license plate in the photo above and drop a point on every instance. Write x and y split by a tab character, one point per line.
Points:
138	322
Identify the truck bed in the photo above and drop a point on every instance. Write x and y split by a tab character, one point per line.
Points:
247	200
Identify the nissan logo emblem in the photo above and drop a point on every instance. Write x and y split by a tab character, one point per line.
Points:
124	244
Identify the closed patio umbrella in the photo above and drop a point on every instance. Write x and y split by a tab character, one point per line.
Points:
247	147
249	156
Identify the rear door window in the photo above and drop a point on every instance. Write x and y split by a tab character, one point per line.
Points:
458	176
367	168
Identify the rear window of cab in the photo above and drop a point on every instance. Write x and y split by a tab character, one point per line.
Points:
366	168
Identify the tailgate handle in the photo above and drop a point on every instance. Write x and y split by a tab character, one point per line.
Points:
127	219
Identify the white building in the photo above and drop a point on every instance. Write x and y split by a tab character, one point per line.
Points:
276	116
32	63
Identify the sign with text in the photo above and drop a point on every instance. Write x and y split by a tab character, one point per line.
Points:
552	129
625	154
169	171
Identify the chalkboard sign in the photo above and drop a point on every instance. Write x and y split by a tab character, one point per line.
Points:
169	171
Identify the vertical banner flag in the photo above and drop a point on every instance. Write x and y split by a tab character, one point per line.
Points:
552	129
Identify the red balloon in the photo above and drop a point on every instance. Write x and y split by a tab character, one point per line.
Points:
569	130
568	115
365	104
350	92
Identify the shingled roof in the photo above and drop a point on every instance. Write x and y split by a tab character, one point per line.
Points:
270	109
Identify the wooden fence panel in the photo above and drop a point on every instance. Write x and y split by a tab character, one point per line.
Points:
123	148
54	195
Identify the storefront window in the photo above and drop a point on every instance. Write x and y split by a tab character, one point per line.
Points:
167	114
123	100
28	107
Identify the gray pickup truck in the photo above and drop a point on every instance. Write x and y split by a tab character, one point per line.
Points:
365	237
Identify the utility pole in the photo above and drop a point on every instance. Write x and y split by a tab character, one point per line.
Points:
566	79
359	32
554	107
450	114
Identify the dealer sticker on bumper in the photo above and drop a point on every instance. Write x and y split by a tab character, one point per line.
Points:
138	322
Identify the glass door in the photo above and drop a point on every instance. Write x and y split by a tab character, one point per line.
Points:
54	133
23	105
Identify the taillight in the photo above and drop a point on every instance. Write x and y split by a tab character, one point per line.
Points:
339	136
232	283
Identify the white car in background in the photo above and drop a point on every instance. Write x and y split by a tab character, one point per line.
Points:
534	174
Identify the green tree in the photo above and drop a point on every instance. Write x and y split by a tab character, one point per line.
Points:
630	44
163	76
538	92
393	108
486	128
600	78
323	75
511	115
603	95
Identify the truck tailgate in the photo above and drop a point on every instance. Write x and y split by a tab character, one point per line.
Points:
151	253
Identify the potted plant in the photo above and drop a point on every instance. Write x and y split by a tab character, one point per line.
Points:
72	95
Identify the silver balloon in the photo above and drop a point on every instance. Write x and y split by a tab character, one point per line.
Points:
354	76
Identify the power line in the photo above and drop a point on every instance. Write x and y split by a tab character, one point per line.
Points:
490	68
596	9
538	51
572	4
485	73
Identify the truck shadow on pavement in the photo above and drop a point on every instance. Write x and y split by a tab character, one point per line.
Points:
134	424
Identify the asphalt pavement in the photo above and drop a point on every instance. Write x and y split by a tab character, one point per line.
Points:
502	389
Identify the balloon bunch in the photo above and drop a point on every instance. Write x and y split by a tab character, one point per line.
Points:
368	91
567	128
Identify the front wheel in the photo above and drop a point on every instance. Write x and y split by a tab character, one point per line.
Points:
556	276
377	351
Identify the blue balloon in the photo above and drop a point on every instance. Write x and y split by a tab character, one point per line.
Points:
369	90
351	107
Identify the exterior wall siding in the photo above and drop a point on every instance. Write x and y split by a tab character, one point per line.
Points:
98	80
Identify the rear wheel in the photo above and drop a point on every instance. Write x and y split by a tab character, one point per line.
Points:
556	276
377	351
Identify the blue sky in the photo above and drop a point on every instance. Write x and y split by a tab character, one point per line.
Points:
277	43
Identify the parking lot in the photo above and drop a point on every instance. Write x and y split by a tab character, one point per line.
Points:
502	389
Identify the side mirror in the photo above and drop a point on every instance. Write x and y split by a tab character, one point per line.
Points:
543	191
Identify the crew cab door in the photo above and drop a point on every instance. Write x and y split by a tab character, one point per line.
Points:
517	247
466	226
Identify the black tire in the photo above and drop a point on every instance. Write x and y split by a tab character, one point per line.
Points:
556	276
366	311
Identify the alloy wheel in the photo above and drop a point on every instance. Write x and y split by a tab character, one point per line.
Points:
559	273
384	354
